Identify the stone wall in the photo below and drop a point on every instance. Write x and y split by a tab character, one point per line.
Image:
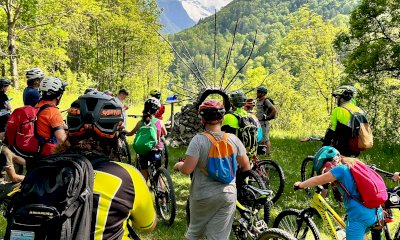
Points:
187	124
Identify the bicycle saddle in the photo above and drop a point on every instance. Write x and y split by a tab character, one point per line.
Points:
260	191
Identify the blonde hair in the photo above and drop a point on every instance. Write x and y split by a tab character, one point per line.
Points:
349	161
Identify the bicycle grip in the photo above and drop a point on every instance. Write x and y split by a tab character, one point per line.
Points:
296	187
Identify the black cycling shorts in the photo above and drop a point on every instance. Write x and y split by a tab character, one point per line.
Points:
151	156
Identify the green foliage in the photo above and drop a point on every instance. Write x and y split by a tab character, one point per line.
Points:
371	49
97	43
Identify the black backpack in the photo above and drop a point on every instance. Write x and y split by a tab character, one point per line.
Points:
247	132
55	201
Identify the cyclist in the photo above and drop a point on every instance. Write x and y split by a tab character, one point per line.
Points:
157	94
121	96
265	112
212	203
31	94
249	107
151	106
339	132
50	126
120	193
359	217
5	107
231	121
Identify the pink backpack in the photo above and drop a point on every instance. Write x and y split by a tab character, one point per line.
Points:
369	184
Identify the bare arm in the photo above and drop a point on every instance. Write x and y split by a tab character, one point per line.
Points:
134	130
61	136
187	166
244	163
14	177
163	129
317	180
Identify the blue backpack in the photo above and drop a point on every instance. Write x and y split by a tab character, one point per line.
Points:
221	165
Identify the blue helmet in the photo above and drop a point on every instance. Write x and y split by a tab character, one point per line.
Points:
325	154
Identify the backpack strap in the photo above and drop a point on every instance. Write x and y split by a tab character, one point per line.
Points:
213	141
358	199
41	139
348	109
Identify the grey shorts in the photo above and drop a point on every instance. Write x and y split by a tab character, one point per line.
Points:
212	217
265	126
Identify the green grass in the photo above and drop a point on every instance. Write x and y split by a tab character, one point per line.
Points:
289	153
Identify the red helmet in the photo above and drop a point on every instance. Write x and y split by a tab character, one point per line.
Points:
250	102
212	111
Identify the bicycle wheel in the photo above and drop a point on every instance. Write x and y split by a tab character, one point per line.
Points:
124	154
164	156
187	211
288	220
275	233
249	200
165	196
272	175
307	171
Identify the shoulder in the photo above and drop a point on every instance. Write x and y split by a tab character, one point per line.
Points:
229	119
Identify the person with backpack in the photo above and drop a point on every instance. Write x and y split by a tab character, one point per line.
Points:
121	96
362	204
149	131
249	107
157	94
5	107
240	122
340	134
92	197
212	158
31	95
50	126
265	112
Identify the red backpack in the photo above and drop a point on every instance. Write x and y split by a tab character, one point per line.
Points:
21	134
369	184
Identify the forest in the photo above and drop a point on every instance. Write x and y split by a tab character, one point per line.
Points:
302	51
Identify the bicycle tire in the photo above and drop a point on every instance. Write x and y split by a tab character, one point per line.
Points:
123	153
275	233
252	178
187	209
306	174
169	195
287	220
272	175
164	156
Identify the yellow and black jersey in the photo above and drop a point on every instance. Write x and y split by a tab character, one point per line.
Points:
120	192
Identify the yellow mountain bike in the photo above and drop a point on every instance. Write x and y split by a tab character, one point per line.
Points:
300	223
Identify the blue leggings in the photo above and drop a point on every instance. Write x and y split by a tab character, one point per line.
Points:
355	230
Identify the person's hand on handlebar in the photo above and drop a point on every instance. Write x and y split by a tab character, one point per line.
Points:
296	186
396	176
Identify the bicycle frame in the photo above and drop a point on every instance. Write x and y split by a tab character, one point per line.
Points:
326	212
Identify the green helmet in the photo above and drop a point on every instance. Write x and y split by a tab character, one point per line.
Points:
237	98
262	89
325	154
347	92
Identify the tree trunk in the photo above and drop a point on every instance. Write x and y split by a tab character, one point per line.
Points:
12	51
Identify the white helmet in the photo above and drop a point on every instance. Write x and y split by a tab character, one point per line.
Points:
34	73
52	86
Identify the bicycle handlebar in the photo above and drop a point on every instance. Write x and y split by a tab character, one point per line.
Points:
312	139
134	115
385	173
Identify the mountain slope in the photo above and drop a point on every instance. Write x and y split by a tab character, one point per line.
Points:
177	15
268	17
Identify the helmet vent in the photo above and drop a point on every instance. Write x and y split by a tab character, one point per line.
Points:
91	104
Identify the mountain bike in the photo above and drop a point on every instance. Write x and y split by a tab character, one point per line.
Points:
164	193
300	223
123	152
247	224
271	173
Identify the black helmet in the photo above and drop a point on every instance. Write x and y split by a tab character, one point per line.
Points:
237	98
4	82
346	92
94	114
262	89
88	90
155	93
152	105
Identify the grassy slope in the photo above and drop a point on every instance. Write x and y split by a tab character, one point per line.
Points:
288	152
